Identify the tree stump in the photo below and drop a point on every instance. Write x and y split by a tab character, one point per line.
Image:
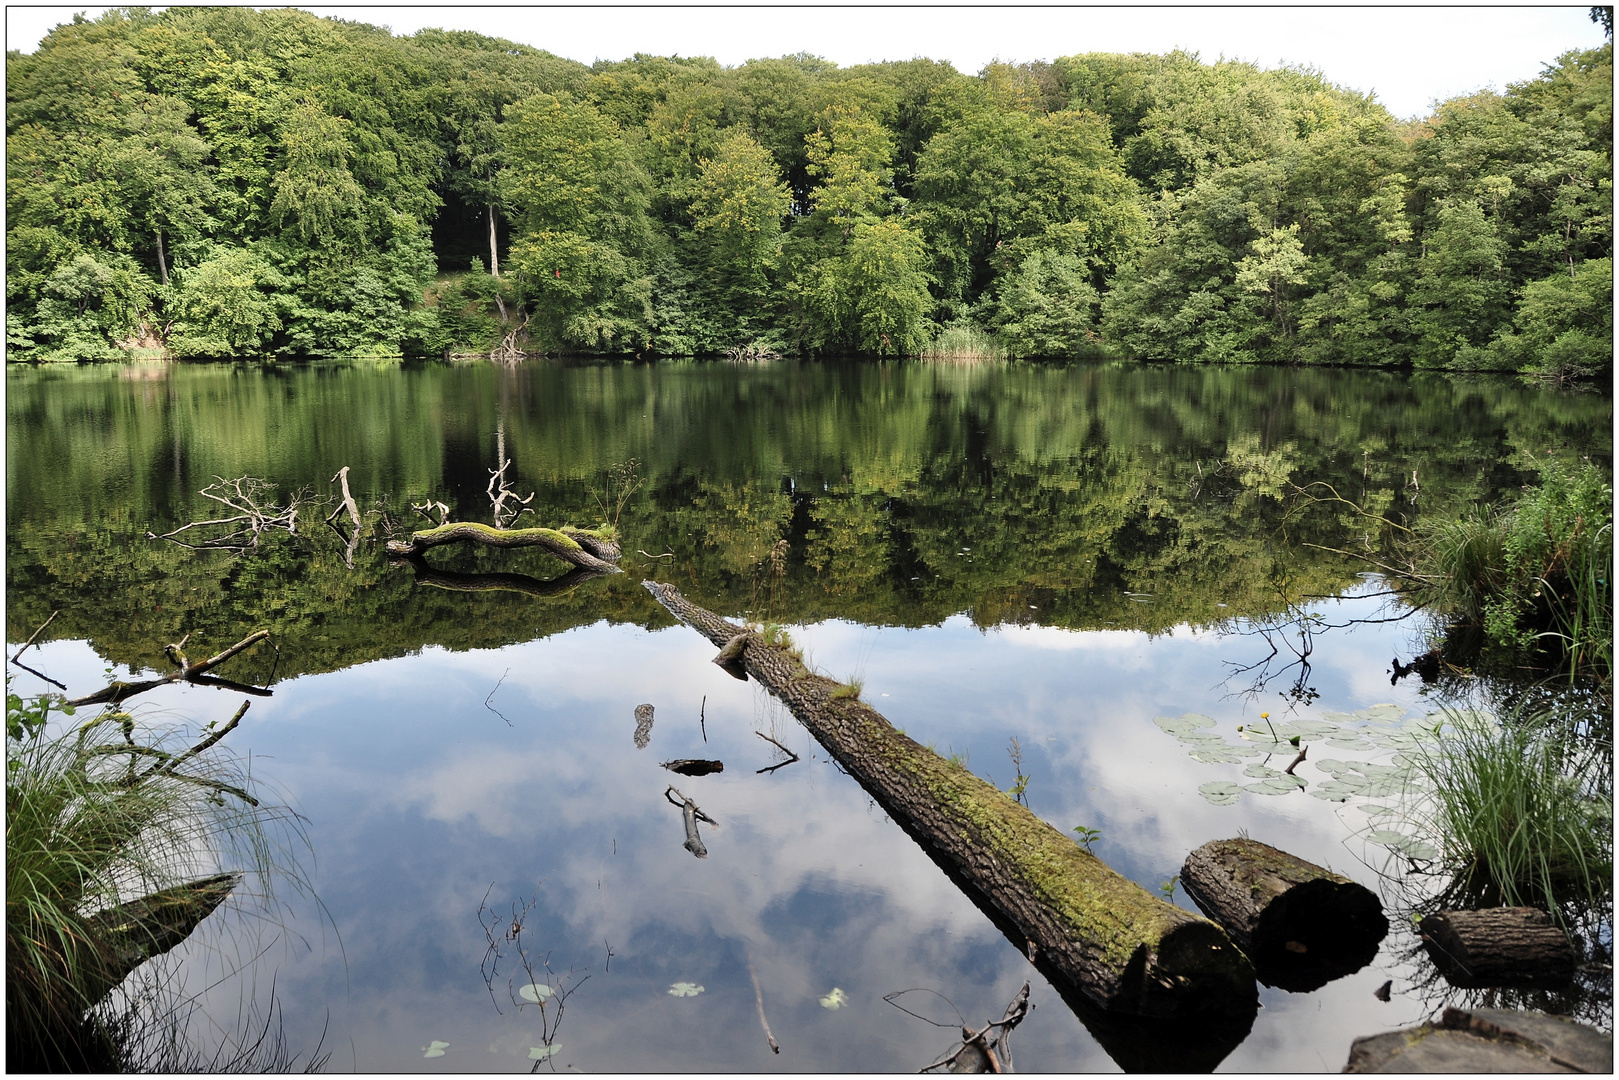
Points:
1300	924
1094	933
1486	1041
1498	947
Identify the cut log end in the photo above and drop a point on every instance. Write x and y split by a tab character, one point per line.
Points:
1301	924
1498	947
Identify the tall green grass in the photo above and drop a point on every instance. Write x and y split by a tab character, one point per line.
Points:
96	817
964	342
1521	810
1535	575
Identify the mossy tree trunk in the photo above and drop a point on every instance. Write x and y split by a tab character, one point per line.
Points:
1123	950
584	548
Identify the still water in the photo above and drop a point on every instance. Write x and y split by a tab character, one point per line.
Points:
1055	556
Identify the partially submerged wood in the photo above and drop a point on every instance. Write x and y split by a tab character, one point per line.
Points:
130	934
643	726
186	671
694	766
1486	1041
1301	924
1116	945
581	547
691	814
1498	947
729	658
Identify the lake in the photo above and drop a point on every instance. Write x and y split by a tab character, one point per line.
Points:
1052	555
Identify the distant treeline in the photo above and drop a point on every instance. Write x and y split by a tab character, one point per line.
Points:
224	181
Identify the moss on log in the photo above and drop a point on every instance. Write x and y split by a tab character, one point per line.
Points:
1122	950
582	547
1301	924
128	935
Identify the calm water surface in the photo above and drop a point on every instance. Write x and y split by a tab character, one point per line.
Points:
1055	556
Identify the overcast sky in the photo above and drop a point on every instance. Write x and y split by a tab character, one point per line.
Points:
1410	57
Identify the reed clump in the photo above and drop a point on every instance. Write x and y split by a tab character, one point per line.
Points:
964	342
1520	809
97	817
1534	576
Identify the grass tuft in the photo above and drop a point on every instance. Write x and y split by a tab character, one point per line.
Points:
1521	811
849	690
964	342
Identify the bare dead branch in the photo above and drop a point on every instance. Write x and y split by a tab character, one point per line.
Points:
791	757
759	1001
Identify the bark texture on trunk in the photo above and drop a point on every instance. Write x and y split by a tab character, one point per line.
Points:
1301	924
1121	949
131	934
581	547
1498	947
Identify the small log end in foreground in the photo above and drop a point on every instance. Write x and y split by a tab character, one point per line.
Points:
1301	924
1498	947
1121	949
1486	1041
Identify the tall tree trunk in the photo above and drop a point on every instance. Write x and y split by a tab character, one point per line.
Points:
162	267
494	253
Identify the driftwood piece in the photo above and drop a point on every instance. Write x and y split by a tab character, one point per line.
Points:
197	673
643	726
987	1050
581	547
1486	1041
694	766
1114	944
1302	925
131	934
691	814
1498	947
452	581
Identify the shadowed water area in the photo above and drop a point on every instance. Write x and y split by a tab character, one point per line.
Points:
1059	556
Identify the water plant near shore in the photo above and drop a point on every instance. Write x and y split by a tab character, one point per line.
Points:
110	845
1520	809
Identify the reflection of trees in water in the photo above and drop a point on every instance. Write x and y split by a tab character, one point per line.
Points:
885	494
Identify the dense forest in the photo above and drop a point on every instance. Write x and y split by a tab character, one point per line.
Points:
224	181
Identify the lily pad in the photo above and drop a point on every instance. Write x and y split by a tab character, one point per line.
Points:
1261	772
540	1053
435	1048
1307	729
1384	713
1221	792
1348	740
1387	837
535	992
837	999
1277	785
1184	724
1340	718
685	989
1334	791
1216	755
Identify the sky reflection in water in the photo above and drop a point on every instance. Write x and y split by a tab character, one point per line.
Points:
429	781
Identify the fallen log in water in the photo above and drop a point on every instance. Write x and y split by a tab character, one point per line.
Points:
1498	947
581	547
1300	924
1116	946
131	934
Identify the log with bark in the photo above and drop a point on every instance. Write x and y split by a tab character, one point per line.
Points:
1098	936
581	547
1498	947
1301	925
128	935
691	814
